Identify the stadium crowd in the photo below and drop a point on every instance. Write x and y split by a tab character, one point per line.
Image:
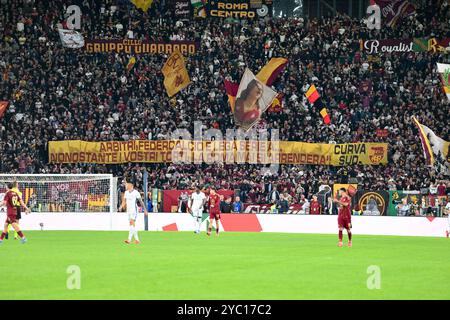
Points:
57	93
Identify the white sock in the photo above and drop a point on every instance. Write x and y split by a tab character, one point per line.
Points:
130	234
199	223
195	223
136	237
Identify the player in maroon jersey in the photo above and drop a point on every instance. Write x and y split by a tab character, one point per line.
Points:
344	216
12	201
214	210
314	206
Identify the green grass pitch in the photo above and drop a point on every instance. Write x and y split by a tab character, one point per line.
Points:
183	265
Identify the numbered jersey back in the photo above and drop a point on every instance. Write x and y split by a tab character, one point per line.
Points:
12	202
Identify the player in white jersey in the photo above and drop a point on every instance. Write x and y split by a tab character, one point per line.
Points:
196	202
129	201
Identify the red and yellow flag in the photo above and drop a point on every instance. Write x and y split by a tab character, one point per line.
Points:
131	63
426	146
271	70
3	107
312	94
325	116
232	90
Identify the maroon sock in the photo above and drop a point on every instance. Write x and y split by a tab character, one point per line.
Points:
340	235
349	235
20	234
217	229
3	236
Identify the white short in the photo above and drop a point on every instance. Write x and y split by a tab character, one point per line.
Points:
197	213
132	216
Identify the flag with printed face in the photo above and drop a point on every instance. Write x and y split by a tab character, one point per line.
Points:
266	75
444	71
176	76
71	39
435	149
252	99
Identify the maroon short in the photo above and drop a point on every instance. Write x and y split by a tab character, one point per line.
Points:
214	215
344	222
11	219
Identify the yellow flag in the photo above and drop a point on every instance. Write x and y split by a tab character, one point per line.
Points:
176	76
142	4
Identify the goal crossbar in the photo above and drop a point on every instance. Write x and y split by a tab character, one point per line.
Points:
65	192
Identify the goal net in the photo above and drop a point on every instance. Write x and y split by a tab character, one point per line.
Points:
65	193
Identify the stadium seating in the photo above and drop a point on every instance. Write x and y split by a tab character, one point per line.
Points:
57	93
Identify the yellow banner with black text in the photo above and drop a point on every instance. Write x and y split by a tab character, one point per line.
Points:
244	151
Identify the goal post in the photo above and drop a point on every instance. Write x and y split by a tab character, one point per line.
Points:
65	192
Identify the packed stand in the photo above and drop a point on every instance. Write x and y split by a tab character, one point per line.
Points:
57	93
